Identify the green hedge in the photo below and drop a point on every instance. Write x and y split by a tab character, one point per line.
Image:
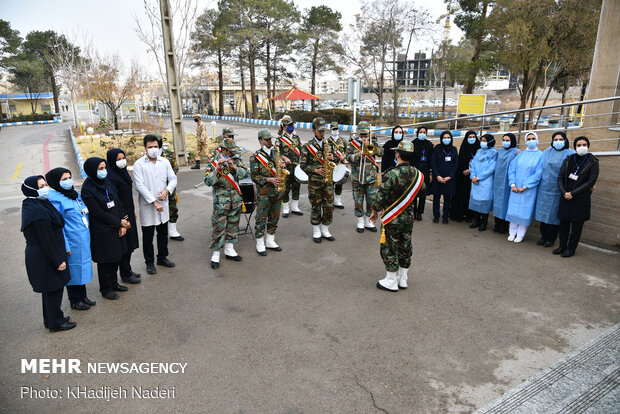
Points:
32	117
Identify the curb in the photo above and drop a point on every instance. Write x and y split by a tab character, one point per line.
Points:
21	123
78	155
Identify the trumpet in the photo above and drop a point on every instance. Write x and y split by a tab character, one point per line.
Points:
370	150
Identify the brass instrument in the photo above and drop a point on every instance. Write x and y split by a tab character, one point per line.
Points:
367	150
370	150
281	173
328	165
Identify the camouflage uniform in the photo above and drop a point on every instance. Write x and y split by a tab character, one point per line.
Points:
269	199
174	198
320	195
367	187
339	144
227	201
292	185
227	132
201	140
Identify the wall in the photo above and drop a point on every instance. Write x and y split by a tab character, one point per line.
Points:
22	106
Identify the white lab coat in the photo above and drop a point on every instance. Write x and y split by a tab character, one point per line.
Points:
151	178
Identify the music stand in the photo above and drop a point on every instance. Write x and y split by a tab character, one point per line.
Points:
248	194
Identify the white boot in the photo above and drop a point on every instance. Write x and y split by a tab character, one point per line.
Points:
402	277
316	233
285	209
338	201
230	253
326	234
270	242
360	224
215	260
369	224
295	208
389	283
260	246
173	233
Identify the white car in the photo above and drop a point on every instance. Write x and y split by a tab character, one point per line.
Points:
494	101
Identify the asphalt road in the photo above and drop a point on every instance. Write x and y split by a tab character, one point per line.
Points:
303	330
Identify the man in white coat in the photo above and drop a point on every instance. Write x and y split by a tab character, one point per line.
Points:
155	181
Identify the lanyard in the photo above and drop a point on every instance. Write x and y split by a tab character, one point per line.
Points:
79	204
107	195
447	154
579	164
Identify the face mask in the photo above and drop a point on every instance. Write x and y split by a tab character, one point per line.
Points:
398	137
121	163
484	145
290	128
446	141
161	151
102	174
152	152
196	120
581	151
421	137
66	184
558	145
471	140
506	144
531	144
43	193
335	134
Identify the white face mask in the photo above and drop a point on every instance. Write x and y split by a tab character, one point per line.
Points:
152	152
121	163
398	137
335	134
581	151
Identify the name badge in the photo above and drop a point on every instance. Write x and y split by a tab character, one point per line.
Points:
448	159
110	204
423	158
85	221
85	210
573	176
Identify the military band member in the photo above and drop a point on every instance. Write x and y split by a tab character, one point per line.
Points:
340	147
223	174
201	141
314	154
394	200
364	171
290	148
227	132
264	173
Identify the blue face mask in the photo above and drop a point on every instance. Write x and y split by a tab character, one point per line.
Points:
421	137
531	144
398	137
506	144
484	145
446	141
558	145
102	174
43	193
66	184
471	140
290	128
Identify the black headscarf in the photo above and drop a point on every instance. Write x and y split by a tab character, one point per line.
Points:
53	180
580	139
449	146
513	140
95	187
563	135
419	128
467	151
119	175
34	208
490	140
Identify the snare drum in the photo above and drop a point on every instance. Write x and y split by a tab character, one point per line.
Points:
300	175
341	174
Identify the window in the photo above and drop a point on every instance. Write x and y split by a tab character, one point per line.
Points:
12	108
229	96
46	107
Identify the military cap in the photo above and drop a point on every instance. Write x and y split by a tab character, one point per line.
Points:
229	144
334	125
286	120
405	146
363	127
228	131
319	124
197	116
264	134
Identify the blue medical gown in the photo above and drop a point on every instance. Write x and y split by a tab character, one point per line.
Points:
501	187
525	170
77	237
483	167
548	199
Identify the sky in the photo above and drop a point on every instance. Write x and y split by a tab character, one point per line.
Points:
110	23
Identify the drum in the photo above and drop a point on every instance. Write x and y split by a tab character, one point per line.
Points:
300	175
341	174
248	194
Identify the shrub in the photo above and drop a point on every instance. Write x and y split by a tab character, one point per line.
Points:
32	117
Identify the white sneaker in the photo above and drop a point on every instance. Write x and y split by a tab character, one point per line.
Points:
402	277
389	282
285	209
511	237
325	233
260	246
270	242
518	239
316	233
360	224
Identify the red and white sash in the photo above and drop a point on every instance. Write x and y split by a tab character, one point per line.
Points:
315	151
229	177
404	200
289	143
265	161
359	148
338	152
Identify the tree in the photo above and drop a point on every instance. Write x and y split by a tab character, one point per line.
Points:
29	75
9	42
319	34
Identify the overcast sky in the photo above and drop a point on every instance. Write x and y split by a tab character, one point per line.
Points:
111	25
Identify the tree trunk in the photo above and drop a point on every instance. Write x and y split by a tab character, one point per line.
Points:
114	115
268	69
220	81
395	84
523	98
553	81
473	72
243	94
315	54
251	58
54	92
381	84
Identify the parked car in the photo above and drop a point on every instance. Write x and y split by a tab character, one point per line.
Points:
494	101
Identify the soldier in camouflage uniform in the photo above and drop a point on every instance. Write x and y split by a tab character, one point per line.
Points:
366	185
227	132
263	172
400	186
201	141
173	199
340	147
223	174
290	148
321	195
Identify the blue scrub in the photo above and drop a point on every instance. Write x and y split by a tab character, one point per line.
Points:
501	191
548	200
524	171
483	167
77	237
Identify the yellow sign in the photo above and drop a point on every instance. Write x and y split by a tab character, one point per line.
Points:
471	104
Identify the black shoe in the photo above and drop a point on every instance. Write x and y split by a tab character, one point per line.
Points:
458	220
110	295
340	207
503	230
567	253
275	249
331	238
285	215
165	262
66	318
261	253
360	230
372	229
151	269
131	279
418	217
316	239
120	288
236	258
64	327
496	228
548	244
559	250
482	227
298	213
197	166
177	238
214	265
89	302
134	274
469	219
475	224
80	306
435	220
445	221
380	286
540	242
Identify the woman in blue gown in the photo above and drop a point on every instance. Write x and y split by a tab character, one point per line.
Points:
524	174
444	163
548	200
501	189
77	235
482	170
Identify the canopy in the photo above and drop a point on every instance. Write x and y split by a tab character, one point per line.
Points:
294	94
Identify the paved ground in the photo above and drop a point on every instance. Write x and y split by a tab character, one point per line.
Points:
304	330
